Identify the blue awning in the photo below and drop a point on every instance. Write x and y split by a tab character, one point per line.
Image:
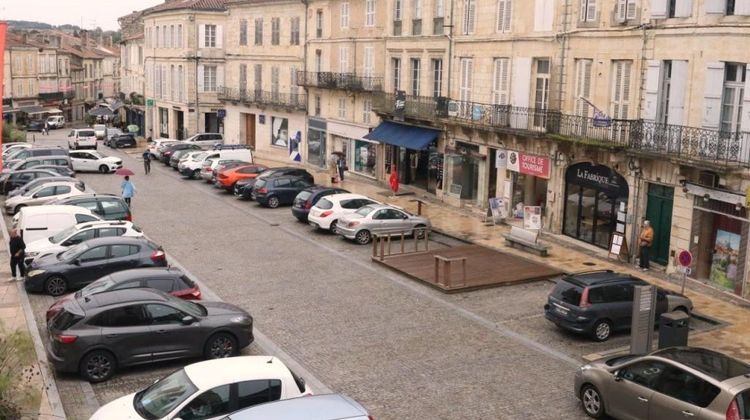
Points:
408	136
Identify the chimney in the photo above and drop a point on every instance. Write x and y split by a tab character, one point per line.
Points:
85	38
24	37
108	41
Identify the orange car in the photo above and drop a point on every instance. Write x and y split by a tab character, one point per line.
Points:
228	177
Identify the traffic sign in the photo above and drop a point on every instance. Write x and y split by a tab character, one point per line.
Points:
684	270
684	258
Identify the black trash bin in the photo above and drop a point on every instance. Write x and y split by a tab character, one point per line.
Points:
673	329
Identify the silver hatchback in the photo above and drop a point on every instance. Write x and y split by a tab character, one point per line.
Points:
380	219
669	384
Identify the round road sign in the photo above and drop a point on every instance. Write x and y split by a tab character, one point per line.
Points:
685	258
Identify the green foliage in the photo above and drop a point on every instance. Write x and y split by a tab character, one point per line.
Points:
16	372
11	133
90	120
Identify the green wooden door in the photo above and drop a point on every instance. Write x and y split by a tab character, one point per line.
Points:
659	213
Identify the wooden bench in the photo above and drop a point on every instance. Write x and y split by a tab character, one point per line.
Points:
527	239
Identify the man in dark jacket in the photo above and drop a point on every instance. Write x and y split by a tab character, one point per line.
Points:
17	253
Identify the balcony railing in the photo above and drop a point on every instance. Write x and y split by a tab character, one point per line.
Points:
294	101
699	145
344	81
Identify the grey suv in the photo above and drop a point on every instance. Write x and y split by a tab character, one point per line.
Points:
600	302
673	383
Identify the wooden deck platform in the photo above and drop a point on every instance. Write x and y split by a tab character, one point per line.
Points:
485	267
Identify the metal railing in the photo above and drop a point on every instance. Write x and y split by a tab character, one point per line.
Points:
296	101
345	81
381	243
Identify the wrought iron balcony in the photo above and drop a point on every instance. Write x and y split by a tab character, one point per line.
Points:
698	146
291	101
343	81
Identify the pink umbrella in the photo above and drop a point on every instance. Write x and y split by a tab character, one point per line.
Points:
124	172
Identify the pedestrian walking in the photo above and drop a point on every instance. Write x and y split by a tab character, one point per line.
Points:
17	254
333	168
341	165
147	162
45	129
128	190
647	239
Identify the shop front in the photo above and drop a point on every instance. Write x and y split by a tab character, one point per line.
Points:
529	175
462	166
316	142
596	201
361	155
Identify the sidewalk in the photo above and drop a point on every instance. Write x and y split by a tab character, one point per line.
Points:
733	339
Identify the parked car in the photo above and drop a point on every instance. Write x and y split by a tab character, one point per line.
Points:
244	188
34	161
100	131
177	155
378	219
76	234
194	158
154	145
95	335
56	121
598	303
15	179
169	150
308	197
111	132
314	407
93	161
12	147
82	138
278	190
106	206
210	390
35	125
23	153
206	140
228	177
122	140
672	383
43	180
192	167
43	221
206	171
83	263
169	280
327	212
223	165
65	171
43	194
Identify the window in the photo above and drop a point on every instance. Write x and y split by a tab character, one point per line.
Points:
210	36
94	254
83	218
80	237
45	192
367	66
397	9
415	73
173	75
179	39
180	83
275	83
665	89
282	182
259	31
686	387
342	108
501	82
251	393
437	77
438	21
645	373
319	23
344	15
317	105
126	316
157	44
469	16
163	314
367	111
275	30
171	35
369	13
243	31
209	78
121	251
626	10
583	86
620	89
108	232
731	99
294	37
343	59
258	76
396	71
618	293
416	17
113	207
541	91
587	12
730	7
504	12
212	403
467	70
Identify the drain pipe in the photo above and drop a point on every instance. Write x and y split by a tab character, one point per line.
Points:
450	52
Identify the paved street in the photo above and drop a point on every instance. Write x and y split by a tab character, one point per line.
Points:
400	348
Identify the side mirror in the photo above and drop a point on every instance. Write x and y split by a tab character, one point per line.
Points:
188	319
77	262
618	376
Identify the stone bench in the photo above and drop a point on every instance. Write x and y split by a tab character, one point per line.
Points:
527	239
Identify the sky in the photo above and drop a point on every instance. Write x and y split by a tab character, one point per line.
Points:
85	13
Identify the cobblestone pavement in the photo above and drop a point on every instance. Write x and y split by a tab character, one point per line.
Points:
400	348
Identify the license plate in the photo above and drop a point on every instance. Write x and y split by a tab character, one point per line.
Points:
561	311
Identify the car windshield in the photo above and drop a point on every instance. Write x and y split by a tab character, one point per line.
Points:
568	292
161	398
101	285
72	252
364	211
86	133
57	238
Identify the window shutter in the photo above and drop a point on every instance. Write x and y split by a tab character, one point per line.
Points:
591	12
651	99
501	81
683	8
622	6
543	15
219	76
469	12
500	23
343	59
712	95
742	7
678	86
745	117
521	78
200	78
201	36
632	9
219	36
467	68
507	15
583	86
659	9
718	7
368	62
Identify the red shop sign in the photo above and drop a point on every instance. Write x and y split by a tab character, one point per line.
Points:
529	164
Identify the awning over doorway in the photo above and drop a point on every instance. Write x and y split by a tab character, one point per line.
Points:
408	136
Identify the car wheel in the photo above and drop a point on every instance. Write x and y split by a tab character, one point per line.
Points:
18	208
98	366
220	345
602	330
103	169
196	174
363	237
419	231
56	286
592	401
273	202
333	226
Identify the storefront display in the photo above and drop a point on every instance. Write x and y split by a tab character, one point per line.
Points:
279	131
364	157
593	196
529	175
463	171
316	142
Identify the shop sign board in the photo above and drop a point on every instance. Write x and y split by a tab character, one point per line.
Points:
532	217
501	158
527	164
499	209
149	103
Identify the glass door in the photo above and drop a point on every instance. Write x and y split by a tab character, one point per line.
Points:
605	220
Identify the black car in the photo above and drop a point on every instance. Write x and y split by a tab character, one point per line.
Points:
35	125
597	303
16	179
62	170
80	265
39	181
106	206
169	150
244	187
121	140
308	197
277	190
97	334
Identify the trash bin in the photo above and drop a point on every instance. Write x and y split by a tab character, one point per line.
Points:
673	329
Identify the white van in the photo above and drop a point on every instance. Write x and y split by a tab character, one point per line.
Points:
56	121
39	222
192	167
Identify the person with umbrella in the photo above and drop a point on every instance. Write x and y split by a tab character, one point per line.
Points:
127	187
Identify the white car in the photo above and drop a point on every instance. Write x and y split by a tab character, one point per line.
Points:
76	234
209	390
206	140
189	157
326	213
39	222
10	148
56	121
82	138
43	194
94	161
100	131
153	147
